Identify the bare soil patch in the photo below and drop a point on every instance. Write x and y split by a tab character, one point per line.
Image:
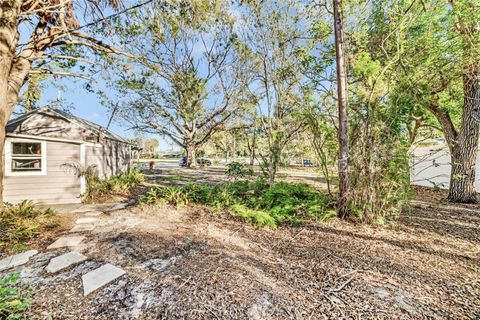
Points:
190	263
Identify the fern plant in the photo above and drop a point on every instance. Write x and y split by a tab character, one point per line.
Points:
22	222
14	299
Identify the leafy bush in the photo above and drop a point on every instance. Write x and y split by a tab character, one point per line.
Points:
292	201
14	300
123	183
120	184
22	222
237	170
257	217
256	202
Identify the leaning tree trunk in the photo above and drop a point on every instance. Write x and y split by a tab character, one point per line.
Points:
190	150
464	151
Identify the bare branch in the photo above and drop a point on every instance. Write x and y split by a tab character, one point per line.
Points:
61	73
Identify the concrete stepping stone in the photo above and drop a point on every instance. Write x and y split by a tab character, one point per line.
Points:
64	261
84	227
100	277
93	214
16	260
86	220
67	241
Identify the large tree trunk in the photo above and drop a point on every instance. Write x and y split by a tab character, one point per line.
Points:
190	153
343	150
9	13
464	151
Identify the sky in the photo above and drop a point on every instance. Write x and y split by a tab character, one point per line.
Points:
85	104
80	102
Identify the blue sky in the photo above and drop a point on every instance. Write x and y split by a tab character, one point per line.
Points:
84	104
77	99
87	105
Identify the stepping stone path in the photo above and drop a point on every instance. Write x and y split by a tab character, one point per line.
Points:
16	260
86	220
93	214
67	241
92	280
64	261
99	277
84	227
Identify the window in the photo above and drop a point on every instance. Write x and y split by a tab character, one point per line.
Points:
25	157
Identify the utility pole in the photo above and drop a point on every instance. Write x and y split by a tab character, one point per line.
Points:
343	149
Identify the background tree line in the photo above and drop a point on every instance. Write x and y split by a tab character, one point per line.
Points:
264	73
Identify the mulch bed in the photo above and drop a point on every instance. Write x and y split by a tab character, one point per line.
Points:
208	266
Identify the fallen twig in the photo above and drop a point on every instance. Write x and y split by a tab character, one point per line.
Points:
342	286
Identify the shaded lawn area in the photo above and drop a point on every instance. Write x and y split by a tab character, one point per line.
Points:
172	176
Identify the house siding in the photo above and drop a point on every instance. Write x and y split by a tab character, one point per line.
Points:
110	158
59	185
48	124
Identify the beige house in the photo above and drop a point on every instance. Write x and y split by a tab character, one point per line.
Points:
41	148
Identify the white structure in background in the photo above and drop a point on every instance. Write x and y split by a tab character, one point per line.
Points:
430	166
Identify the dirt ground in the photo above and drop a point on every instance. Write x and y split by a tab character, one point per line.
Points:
189	263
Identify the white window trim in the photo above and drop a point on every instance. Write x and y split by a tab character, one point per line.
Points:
8	158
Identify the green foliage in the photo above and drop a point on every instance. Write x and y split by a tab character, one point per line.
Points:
21	223
323	137
257	217
162	92
379	175
14	300
33	92
237	170
283	203
120	184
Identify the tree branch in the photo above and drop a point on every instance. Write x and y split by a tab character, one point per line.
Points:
446	122
61	73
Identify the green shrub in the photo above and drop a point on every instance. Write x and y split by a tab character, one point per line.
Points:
257	217
293	202
153	196
174	196
237	170
14	300
198	193
123	183
120	184
22	222
256	202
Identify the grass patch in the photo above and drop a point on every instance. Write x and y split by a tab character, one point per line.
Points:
283	203
14	299
22	222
